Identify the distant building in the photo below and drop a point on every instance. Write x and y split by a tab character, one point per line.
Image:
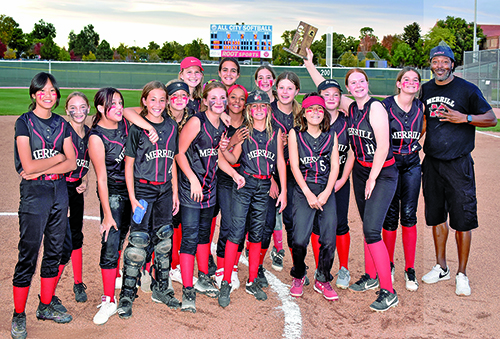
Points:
492	33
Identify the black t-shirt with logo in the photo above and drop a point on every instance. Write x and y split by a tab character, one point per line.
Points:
445	140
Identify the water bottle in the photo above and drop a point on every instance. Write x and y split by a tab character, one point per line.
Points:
139	213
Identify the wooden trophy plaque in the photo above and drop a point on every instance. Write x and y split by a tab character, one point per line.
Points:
302	39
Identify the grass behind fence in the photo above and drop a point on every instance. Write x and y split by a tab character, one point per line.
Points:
16	101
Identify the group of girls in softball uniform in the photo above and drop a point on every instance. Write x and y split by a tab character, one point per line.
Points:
193	149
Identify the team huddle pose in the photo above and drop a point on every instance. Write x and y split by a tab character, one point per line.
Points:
193	149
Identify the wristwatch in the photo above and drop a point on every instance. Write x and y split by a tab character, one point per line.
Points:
469	119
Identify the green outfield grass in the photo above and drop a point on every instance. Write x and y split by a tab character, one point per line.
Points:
16	101
491	129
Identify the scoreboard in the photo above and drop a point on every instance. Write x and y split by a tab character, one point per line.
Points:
241	41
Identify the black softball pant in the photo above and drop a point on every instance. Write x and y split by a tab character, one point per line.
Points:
342	197
196	225
287	213
374	210
43	215
74	234
304	218
121	212
405	199
249	203
225	202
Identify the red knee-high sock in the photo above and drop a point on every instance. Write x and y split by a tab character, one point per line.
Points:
263	252
47	287
409	245
212	228
229	258
20	297
187	265
278	239
77	263
220	262
253	260
118	265
176	246
202	253
148	266
315	245
369	265
108	282
237	259
378	252
59	273
389	238
343	244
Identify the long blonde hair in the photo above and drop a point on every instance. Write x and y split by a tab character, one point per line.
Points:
250	121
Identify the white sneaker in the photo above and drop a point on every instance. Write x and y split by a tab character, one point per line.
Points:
175	275
411	280
393	271
463	287
219	276
146	282
119	281
436	274
235	282
107	309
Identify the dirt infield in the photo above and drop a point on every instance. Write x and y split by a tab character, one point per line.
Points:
434	311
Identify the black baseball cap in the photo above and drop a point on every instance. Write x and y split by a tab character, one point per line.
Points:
442	50
325	84
177	86
258	97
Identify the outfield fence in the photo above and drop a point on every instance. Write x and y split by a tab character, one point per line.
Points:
127	75
483	69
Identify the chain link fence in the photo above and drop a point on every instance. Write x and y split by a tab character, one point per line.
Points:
482	69
126	75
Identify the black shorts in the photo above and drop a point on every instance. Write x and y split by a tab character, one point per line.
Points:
449	189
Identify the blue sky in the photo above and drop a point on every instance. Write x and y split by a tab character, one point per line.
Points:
139	22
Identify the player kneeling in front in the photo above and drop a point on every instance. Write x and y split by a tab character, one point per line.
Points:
260	153
314	160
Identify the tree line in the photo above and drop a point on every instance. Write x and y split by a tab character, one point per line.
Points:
409	48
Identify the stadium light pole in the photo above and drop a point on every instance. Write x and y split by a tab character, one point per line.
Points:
475	26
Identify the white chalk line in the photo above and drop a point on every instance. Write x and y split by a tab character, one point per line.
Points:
293	317
491	135
10	214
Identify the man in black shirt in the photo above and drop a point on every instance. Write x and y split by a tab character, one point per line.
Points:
453	108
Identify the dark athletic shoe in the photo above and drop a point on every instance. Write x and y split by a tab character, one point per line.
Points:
384	301
277	258
165	296
57	304
206	285
254	289
365	283
188	300
18	330
212	267
127	297
224	294
261	277
80	294
49	312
